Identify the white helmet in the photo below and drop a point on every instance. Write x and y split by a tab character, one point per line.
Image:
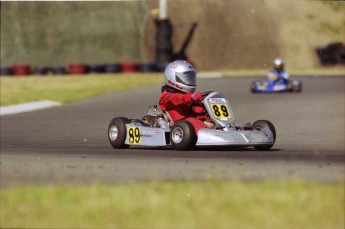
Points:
180	75
278	64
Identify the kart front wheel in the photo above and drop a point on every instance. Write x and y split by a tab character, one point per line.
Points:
261	125
182	135
254	85
117	132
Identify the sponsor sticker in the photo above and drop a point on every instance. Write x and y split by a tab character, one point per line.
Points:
217	100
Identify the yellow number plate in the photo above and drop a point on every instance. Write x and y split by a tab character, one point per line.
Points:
133	135
220	111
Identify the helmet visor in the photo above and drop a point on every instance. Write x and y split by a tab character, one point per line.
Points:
187	78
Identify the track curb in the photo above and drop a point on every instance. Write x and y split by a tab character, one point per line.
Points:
26	107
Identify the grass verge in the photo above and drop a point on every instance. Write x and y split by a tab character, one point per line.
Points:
64	89
208	204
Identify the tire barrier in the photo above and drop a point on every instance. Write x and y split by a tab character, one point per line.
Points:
112	68
41	70
332	54
80	68
96	68
161	66
59	70
21	69
6	71
129	67
147	67
77	69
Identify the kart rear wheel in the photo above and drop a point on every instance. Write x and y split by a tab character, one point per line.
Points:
182	135
252	87
296	86
290	86
117	132
261	125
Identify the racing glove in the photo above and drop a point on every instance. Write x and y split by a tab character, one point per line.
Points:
197	97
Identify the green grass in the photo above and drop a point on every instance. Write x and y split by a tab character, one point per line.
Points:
66	89
209	204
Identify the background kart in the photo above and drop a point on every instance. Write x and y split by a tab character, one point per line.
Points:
271	86
157	129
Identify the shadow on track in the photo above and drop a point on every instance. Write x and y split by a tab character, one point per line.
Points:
233	153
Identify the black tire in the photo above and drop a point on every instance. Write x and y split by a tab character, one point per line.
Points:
41	70
117	132
96	68
290	87
59	70
148	67
112	68
264	124
297	86
6	71
252	86
182	135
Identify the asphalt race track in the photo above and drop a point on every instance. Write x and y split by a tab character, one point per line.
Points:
68	144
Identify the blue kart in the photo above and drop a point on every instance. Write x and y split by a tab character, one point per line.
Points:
274	84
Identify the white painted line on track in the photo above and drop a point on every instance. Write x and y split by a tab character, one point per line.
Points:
26	107
209	75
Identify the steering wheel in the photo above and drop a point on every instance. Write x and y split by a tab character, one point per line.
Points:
195	104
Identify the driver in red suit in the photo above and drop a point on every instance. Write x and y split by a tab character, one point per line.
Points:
178	93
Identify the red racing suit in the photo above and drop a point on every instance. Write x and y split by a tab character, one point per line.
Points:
177	105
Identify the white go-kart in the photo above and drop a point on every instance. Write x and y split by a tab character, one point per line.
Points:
156	129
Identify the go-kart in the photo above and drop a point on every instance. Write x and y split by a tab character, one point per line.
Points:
156	129
271	85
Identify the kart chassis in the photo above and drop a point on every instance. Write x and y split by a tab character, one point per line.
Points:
163	132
